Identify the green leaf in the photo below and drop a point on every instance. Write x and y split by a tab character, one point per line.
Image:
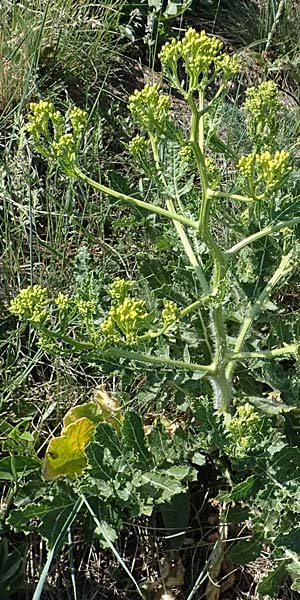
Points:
11	570
181	472
237	514
119	183
175	8
270	584
241	491
99	470
15	467
296	585
158	486
159	443
156	4
107	533
134	436
199	459
52	514
269	407
175	516
289	540
245	551
106	436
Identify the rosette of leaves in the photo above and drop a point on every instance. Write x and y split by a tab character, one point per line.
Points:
115	466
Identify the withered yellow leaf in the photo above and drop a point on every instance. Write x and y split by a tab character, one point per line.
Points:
65	454
89	410
109	407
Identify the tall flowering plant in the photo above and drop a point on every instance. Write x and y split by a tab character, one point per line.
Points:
235	275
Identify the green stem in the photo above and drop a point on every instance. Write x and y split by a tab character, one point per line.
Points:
185	311
135	356
154	360
196	137
130	200
283	269
260	234
178	226
228	195
289	349
201	121
189	250
197	304
220	384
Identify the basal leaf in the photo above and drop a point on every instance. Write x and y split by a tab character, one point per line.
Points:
237	514
89	410
198	459
159	443
65	454
242	490
15	467
107	437
245	551
270	584
99	470
158	486
134	436
175	516
51	513
289	540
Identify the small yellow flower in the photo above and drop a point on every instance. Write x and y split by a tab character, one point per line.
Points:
31	304
149	108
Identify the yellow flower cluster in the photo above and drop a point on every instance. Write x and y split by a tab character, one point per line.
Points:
85	307
262	105
170	313
271	169
266	169
201	55
41	113
244	429
65	148
149	108
213	173
186	156
31	304
62	301
78	118
137	146
246	165
51	133
125	320
119	288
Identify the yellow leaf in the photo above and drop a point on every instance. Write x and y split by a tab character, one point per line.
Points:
109	407
89	410
65	454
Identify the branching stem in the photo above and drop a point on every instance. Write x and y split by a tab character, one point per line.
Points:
282	270
135	201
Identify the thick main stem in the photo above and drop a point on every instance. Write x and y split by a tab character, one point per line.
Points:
220	383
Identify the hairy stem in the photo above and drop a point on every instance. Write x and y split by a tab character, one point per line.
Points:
277	352
135	201
260	234
220	383
282	270
178	226
153	360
